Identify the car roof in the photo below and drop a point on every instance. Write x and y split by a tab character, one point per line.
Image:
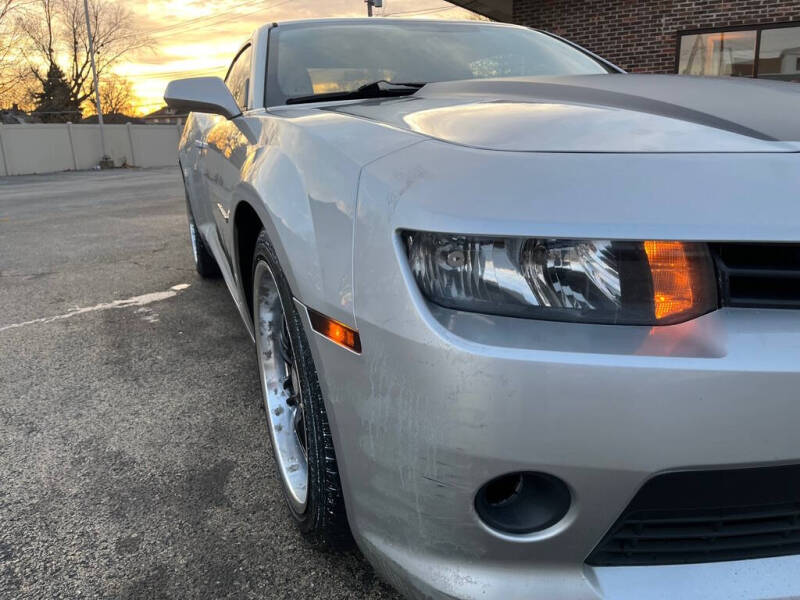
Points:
379	20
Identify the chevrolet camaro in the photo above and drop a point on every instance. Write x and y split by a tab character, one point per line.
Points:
526	326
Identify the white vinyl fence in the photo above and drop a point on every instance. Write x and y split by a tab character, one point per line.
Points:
46	148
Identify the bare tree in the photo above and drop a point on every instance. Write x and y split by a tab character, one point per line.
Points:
54	32
9	73
117	95
5	8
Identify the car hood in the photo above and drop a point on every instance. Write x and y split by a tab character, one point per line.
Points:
599	113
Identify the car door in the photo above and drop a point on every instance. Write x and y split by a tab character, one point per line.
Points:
193	163
226	150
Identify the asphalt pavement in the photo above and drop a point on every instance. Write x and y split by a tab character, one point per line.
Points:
134	459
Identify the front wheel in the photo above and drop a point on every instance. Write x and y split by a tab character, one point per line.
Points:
298	425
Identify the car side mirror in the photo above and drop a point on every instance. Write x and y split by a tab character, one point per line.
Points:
201	94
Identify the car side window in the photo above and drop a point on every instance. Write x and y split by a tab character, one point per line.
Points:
238	78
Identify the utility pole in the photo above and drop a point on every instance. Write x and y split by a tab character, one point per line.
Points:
371	3
105	161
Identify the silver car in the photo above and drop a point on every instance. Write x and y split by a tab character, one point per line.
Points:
527	326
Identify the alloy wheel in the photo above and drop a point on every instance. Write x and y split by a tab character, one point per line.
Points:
280	383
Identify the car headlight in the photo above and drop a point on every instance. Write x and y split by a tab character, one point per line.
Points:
592	281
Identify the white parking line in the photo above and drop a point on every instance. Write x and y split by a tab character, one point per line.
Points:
135	301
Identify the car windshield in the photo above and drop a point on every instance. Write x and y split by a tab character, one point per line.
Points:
340	57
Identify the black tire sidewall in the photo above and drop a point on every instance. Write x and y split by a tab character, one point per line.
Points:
323	521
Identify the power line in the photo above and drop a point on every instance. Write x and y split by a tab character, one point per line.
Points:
177	26
206	21
203	18
218	20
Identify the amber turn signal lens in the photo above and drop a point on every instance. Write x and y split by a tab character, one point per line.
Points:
335	331
679	286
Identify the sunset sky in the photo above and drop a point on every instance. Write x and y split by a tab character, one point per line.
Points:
195	38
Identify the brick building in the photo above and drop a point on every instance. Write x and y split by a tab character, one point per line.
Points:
746	38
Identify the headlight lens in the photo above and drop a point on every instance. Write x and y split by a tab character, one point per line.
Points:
593	281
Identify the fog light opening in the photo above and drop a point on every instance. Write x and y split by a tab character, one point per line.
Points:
522	502
504	489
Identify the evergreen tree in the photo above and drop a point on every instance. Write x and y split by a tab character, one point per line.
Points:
53	103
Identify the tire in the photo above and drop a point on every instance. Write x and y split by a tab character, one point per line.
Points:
322	518
204	261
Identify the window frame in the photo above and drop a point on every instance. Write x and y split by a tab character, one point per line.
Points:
247	46
758	28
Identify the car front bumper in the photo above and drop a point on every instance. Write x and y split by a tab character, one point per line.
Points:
434	408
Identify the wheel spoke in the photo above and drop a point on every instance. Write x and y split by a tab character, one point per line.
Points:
300	428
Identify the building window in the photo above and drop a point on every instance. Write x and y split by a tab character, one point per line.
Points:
724	53
779	54
768	51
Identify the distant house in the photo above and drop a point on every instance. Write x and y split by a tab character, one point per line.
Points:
165	115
